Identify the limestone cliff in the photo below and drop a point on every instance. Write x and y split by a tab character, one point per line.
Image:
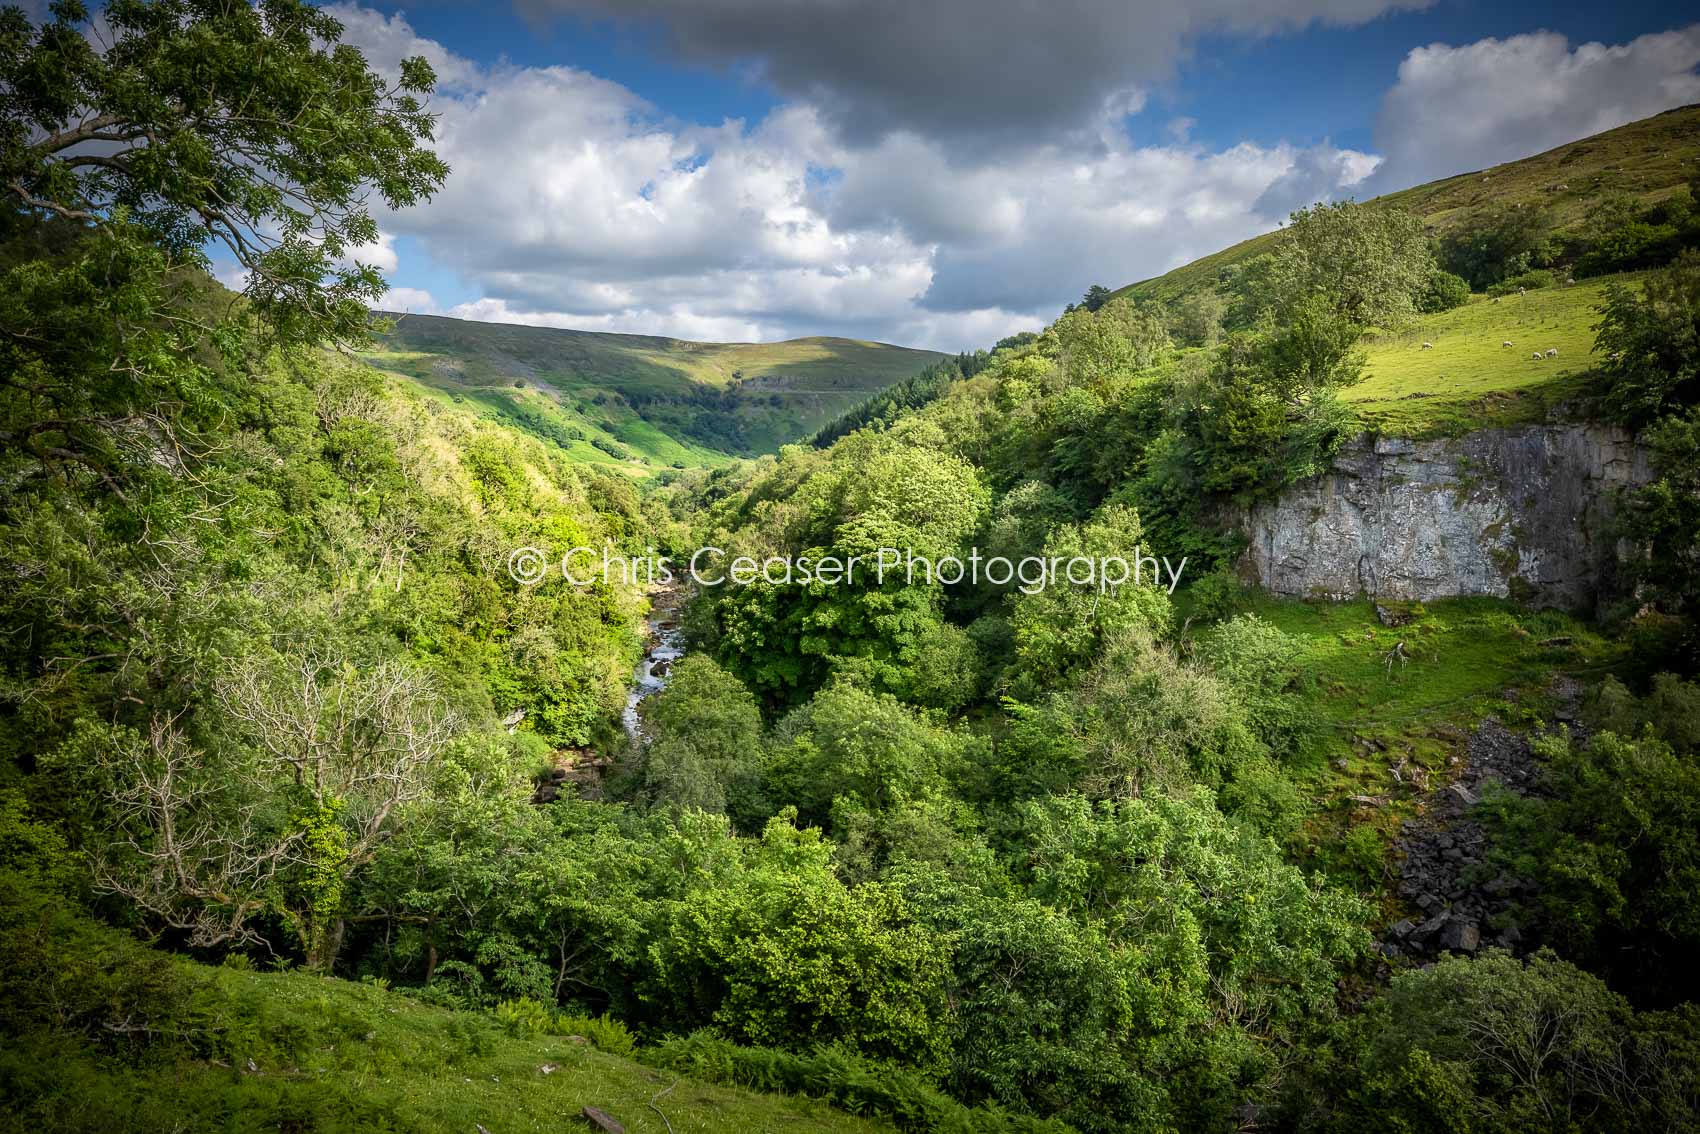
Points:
1521	512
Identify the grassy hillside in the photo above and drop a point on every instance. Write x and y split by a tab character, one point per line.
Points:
640	401
1648	160
294	1052
1469	378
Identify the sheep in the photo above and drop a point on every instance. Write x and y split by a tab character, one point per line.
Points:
1521	291
1506	343
1536	356
1426	346
1552	352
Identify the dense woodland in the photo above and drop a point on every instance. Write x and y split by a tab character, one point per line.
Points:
965	857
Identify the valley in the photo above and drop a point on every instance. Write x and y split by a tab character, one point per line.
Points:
639	403
322	811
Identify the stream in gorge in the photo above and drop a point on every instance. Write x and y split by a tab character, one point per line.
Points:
663	646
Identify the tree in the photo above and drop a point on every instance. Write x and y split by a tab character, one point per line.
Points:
1061	625
1496	243
1445	291
1369	264
1664	518
281	816
1496	1044
705	743
1197	317
201	122
1611	840
1651	342
781	953
1312	353
1096	296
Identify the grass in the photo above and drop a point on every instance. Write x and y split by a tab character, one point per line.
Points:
1469	380
1468	659
1647	160
657	401
307	1053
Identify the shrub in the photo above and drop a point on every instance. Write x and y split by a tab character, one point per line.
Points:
1445	291
859	1085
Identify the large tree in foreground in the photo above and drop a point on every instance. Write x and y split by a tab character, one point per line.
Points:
207	123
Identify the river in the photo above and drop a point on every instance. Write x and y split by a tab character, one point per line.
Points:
664	645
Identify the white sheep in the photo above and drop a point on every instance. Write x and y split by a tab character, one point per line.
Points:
1506	343
1552	352
1426	346
1536	356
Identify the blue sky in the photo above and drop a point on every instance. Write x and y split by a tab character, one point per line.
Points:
944	174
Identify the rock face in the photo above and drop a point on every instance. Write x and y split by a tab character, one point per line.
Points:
1521	512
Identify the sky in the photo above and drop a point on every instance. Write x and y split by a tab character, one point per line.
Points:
942	173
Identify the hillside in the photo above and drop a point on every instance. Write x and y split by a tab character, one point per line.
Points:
1648	160
641	401
1467	379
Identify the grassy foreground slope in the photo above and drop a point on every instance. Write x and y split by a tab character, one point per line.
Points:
309	1053
1647	160
641	400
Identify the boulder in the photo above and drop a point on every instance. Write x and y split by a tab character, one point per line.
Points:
1460	936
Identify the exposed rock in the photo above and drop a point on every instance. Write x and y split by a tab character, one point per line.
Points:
1390	618
602	1120
1444	848
1497	511
1460	936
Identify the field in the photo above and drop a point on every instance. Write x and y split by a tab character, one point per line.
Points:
1647	160
642	402
1469	379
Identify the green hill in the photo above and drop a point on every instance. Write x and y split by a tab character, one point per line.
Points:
642	401
1648	160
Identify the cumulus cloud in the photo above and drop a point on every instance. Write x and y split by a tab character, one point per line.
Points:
949	68
1456	109
576	203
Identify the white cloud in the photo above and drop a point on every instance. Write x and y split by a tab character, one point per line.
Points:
1456	109
576	203
410	300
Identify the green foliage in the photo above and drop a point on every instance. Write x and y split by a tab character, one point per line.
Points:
1061	626
1664	518
787	955
1497	243
1263	665
1611	844
1197	318
706	748
1495	1044
1367	266
280	181
1652	343
1445	292
861	1086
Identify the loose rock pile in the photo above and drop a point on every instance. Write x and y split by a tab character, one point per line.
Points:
1462	904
